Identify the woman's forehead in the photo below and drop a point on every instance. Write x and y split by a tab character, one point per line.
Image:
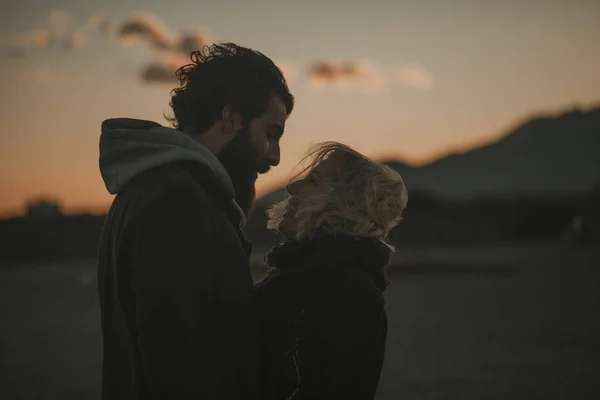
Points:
325	167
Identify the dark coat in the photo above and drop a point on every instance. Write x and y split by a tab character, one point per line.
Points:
176	293
322	323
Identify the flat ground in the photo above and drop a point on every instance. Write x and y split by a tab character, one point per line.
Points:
500	322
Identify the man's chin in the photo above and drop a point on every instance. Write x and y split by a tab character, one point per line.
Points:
247	202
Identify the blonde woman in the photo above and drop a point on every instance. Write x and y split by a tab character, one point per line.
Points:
321	309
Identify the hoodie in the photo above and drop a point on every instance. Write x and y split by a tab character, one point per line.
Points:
129	147
175	288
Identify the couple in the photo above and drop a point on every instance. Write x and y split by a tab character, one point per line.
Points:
181	317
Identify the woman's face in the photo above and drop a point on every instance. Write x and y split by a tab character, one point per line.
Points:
312	184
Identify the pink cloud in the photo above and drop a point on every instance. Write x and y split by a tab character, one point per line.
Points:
74	40
100	22
191	41
330	73
159	73
414	75
163	71
58	21
149	28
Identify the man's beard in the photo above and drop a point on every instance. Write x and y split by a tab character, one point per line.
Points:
241	161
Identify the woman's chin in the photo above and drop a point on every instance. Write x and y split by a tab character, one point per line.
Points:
284	231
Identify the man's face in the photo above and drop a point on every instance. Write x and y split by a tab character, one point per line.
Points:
254	150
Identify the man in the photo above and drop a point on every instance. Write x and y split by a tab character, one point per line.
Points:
173	277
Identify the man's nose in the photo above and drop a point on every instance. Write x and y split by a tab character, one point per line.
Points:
274	156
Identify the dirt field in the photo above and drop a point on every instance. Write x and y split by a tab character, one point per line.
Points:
503	322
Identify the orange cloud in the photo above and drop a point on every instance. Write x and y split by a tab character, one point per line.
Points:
414	75
58	22
191	41
52	33
18	43
162	72
149	28
330	73
97	21
100	22
74	40
172	51
39	38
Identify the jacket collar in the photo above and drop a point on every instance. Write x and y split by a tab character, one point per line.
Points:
366	254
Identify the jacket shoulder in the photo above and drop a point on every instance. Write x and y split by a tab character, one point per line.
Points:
160	183
345	287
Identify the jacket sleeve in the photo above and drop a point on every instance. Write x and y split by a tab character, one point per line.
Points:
345	351
172	266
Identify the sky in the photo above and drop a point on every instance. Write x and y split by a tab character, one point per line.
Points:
411	80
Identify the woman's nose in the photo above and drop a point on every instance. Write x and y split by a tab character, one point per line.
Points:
290	188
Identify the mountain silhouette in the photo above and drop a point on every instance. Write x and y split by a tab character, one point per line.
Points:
545	155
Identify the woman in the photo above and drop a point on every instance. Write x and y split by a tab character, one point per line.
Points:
322	321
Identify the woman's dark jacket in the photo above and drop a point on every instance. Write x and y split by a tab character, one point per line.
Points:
322	324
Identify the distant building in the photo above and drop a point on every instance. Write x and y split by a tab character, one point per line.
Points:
43	209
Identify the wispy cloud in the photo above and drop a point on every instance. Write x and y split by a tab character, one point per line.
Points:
191	41
141	27
160	73
152	30
75	40
58	22
172	48
37	38
149	28
100	22
329	72
414	75
365	74
54	33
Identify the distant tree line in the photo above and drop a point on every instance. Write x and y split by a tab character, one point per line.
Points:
428	221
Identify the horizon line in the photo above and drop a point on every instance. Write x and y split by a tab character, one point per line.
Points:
381	157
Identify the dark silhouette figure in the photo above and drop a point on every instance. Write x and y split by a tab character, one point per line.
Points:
178	319
321	310
322	318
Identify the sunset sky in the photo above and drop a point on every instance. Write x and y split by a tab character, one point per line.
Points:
410	79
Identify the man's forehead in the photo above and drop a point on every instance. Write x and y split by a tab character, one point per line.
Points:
275	112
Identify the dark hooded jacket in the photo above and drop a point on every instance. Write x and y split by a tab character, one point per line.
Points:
175	288
322	323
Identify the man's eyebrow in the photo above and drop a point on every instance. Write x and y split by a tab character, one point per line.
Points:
277	128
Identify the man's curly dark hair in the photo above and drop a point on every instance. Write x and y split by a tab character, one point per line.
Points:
226	74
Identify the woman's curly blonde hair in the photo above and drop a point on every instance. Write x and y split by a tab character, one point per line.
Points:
363	198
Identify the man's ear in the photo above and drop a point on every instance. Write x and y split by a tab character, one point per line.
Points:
232	121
